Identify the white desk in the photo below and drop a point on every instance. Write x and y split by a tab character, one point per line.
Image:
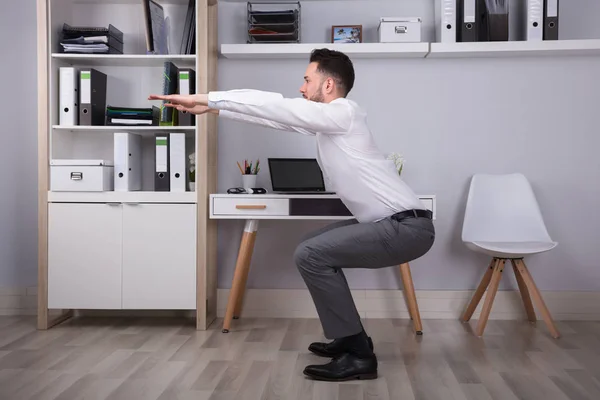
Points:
254	207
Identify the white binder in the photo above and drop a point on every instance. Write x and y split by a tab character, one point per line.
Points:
127	161
445	21
535	20
68	98
177	162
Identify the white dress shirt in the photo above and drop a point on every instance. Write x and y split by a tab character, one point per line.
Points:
366	182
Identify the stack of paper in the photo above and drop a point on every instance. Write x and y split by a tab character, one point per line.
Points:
96	40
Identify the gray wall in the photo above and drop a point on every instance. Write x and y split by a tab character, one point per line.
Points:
450	118
18	153
454	117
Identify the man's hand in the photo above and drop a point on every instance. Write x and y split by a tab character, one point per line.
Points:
183	103
199	110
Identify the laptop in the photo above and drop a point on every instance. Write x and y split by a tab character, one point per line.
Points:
296	176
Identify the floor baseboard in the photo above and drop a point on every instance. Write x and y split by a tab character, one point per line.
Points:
297	303
436	304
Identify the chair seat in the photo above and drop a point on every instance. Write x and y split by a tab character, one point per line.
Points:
510	249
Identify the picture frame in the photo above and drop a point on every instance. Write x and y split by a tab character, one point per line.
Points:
346	34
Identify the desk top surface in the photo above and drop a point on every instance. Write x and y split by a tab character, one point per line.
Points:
290	196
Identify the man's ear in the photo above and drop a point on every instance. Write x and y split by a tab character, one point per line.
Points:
329	85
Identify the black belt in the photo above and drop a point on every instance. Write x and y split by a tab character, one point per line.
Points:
412	213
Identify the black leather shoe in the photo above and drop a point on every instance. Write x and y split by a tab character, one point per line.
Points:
346	367
333	349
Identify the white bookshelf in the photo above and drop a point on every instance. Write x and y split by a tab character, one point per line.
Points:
122	197
556	48
102	250
141	130
125	60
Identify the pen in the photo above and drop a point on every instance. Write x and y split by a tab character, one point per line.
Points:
240	167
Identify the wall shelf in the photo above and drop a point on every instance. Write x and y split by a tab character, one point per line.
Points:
302	50
125	60
558	48
587	47
122	197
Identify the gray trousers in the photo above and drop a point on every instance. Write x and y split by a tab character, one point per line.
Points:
348	244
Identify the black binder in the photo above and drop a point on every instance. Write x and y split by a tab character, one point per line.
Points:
92	101
551	12
162	163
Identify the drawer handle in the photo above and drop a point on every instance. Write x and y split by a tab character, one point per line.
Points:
250	207
76	176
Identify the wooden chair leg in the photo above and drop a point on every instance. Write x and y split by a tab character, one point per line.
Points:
537	297
489	298
524	293
485	281
411	297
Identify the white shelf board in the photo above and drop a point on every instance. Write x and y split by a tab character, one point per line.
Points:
176	2
126	60
142	130
122	197
303	50
587	47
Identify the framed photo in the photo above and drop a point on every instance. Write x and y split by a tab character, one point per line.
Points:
346	34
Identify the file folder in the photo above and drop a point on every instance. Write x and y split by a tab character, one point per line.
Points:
445	21
535	15
68	97
468	20
127	161
92	103
187	86
177	161
161	173
551	20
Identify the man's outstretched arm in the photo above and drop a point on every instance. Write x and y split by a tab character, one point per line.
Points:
260	121
188	103
296	113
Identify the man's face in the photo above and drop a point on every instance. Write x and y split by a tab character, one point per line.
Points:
312	89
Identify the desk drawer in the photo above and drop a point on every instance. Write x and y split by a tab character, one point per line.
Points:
246	206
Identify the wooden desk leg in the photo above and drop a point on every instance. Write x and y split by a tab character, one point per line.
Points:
411	297
240	275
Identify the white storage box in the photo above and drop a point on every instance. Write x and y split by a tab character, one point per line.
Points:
81	176
399	29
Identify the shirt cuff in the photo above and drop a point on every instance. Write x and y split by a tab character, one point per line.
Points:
213	98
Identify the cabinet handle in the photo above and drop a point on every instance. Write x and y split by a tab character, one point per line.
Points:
250	207
76	176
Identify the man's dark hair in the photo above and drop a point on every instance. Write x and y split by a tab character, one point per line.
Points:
337	65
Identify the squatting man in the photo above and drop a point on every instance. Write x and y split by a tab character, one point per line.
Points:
390	225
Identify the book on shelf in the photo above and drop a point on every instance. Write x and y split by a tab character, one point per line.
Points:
132	116
168	115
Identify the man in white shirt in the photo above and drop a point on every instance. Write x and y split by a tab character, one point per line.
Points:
391	226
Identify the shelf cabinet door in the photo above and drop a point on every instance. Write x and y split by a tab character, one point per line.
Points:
84	256
159	256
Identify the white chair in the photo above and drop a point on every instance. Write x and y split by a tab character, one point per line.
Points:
503	220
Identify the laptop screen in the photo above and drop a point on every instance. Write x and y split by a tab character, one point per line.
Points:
296	174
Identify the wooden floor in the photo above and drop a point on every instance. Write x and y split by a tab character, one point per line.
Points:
162	358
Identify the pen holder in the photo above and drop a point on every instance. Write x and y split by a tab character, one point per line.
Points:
248	181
